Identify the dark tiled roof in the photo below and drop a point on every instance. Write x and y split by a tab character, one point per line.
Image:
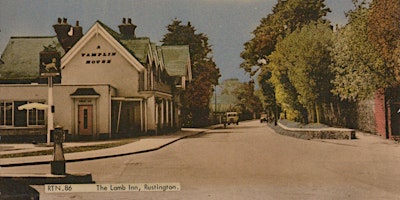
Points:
85	92
176	59
138	47
21	57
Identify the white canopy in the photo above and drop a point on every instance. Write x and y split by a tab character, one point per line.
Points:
30	106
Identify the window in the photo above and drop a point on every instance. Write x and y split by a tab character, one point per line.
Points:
6	113
11	116
20	119
36	117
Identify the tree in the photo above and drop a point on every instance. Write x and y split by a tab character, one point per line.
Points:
196	98
358	68
305	56
248	102
384	34
287	16
285	93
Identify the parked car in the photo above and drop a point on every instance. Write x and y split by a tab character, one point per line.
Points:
263	118
231	118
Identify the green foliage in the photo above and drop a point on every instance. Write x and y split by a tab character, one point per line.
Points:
285	93
286	17
301	63
384	32
357	67
196	98
248	102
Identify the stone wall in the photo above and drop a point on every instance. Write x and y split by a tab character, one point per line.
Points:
320	133
366	116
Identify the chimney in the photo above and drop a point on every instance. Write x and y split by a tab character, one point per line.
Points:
127	29
62	28
77	32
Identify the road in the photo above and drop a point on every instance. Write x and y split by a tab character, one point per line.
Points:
249	161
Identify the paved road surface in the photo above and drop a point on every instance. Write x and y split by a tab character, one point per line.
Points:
250	161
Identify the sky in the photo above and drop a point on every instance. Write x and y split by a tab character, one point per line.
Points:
227	23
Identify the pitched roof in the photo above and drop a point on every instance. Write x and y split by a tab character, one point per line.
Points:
138	47
114	38
176	60
21	56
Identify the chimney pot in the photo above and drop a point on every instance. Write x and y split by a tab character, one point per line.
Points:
65	20
59	20
127	29
77	23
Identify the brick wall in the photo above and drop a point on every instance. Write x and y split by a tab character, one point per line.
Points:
380	117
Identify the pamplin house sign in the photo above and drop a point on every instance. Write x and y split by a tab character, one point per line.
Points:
98	57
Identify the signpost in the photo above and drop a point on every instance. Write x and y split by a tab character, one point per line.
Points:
49	68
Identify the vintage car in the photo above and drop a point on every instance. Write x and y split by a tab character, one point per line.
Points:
231	118
263	118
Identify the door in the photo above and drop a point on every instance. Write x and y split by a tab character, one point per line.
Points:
85	119
395	118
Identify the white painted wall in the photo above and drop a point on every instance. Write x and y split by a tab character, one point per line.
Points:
118	73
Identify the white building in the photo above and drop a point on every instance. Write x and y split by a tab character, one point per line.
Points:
110	84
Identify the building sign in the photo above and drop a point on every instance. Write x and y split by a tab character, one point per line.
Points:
49	62
98	57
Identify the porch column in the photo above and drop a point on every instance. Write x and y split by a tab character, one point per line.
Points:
172	113
145	116
167	112
141	115
162	113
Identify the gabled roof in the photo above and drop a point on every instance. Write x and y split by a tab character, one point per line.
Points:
112	37
139	47
177	60
21	56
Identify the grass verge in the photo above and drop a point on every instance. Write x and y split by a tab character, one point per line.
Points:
70	149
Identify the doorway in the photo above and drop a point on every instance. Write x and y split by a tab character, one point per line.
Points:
85	120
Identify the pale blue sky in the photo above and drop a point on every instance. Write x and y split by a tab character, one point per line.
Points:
227	23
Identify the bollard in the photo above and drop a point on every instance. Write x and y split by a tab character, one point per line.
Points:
58	163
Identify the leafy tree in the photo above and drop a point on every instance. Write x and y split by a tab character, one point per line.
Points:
307	58
248	102
267	89
285	93
287	16
196	98
359	71
384	32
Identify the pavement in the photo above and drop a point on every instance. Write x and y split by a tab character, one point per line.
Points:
138	145
141	145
